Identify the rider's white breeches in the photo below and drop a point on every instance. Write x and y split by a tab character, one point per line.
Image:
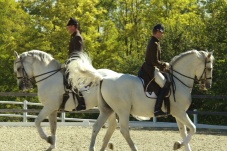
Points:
159	78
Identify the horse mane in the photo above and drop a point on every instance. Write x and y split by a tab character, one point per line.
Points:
205	53
178	57
41	56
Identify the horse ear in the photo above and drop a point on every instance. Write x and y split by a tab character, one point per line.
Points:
16	54
210	54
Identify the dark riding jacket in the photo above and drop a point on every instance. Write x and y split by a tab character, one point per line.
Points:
153	57
76	43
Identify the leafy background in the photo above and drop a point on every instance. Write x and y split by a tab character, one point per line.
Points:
116	34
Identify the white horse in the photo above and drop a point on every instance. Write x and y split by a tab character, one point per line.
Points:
41	68
124	94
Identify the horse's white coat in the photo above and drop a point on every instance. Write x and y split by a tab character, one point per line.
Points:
124	95
51	90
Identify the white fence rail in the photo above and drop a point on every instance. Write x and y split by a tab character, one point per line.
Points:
25	114
65	121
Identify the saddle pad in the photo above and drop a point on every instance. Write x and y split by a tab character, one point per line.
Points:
149	94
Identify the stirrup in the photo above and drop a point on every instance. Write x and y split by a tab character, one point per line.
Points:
80	108
160	113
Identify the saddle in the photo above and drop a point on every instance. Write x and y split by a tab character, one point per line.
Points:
151	88
149	85
75	93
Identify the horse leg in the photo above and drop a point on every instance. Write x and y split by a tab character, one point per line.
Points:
185	120
42	115
183	133
103	116
124	129
112	124
53	127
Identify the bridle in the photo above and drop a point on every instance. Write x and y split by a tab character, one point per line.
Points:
204	74
25	78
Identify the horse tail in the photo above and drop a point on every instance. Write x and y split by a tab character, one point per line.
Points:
81	72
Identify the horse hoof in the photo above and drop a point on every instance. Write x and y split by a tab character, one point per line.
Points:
177	145
49	149
50	140
111	146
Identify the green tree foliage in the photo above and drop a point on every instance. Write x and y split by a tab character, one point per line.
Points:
216	30
13	24
216	23
116	34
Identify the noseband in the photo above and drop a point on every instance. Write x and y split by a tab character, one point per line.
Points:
26	79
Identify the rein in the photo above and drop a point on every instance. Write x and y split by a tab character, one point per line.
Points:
200	79
55	71
32	79
173	76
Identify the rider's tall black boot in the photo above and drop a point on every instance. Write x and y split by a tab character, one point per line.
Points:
81	102
163	92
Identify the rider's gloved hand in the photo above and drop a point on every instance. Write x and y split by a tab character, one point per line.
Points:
167	66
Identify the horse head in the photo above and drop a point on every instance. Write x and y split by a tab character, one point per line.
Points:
34	66
23	70
205	79
192	65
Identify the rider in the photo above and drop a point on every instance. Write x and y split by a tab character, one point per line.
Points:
153	65
76	40
76	44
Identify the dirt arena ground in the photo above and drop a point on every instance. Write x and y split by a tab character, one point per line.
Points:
78	138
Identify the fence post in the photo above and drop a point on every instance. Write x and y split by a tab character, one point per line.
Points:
86	123
195	117
63	117
154	120
25	113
